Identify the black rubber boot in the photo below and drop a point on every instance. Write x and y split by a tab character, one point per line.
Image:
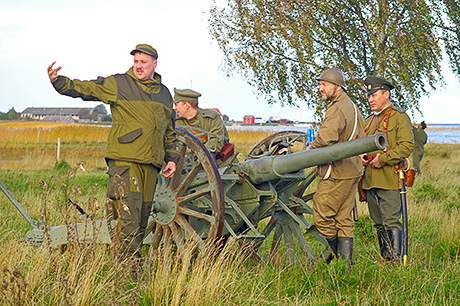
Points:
385	244
333	244
396	237
345	249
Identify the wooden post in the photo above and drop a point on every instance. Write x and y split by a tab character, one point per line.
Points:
38	135
58	149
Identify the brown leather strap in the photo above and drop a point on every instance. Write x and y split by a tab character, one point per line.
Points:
385	117
197	133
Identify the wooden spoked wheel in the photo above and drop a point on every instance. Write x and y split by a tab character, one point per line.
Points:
286	222
284	142
189	206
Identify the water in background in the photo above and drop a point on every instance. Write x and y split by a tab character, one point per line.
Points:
437	133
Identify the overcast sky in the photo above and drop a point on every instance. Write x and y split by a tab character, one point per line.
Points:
91	38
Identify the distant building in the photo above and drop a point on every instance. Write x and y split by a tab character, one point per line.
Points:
283	121
63	114
259	120
249	119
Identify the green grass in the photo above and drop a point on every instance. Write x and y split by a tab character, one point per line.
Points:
92	274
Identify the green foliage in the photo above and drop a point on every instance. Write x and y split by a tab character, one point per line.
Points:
10	115
100	109
62	165
429	192
106	118
281	47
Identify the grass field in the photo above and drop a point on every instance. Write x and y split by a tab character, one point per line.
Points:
90	274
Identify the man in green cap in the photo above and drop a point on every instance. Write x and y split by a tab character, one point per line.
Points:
200	121
334	199
420	139
141	140
381	180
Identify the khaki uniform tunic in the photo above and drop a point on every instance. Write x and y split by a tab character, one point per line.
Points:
210	121
381	184
334	199
400	145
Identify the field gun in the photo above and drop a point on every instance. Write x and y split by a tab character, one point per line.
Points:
248	200
205	202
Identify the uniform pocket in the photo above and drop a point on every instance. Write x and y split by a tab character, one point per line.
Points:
131	136
118	186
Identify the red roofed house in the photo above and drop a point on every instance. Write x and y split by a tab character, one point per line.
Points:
249	119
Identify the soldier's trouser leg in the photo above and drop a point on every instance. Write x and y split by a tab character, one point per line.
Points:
333	205
131	187
384	209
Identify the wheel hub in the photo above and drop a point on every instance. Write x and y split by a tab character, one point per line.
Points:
164	206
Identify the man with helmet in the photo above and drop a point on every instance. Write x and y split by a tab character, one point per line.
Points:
335	195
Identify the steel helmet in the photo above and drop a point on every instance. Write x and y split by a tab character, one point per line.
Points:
334	76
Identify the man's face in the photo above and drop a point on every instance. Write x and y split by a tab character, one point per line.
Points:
181	108
327	90
144	66
379	100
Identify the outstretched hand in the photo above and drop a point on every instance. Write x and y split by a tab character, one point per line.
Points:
53	73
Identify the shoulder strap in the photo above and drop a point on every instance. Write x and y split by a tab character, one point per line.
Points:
198	133
356	122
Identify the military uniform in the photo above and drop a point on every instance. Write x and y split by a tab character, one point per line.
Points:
335	195
334	198
381	184
207	120
420	139
141	139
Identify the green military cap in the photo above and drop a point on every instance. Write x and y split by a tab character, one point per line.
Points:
374	83
147	49
185	95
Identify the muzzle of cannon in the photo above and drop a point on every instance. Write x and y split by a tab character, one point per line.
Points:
273	167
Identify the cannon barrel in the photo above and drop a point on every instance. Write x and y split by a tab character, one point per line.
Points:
272	167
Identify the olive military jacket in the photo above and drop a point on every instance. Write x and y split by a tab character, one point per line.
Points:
338	126
208	120
142	114
400	145
420	139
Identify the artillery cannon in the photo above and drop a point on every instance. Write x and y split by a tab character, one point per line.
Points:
204	203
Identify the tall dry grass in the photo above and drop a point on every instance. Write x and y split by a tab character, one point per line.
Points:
86	274
48	132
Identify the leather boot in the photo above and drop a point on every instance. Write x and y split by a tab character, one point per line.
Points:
333	244
396	244
384	244
345	249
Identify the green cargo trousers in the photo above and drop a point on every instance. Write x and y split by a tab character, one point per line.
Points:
130	192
